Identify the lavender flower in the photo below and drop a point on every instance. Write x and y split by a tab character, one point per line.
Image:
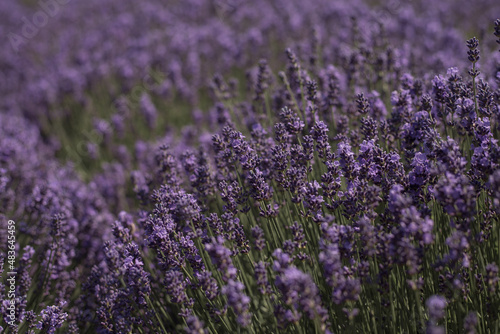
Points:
456	195
209	285
492	276
301	294
362	104
293	123
221	257
436	309
260	241
470	323
194	325
238	301
261	278
473	54
320	134
176	284
52	318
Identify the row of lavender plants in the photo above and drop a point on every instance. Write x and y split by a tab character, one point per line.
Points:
387	224
340	187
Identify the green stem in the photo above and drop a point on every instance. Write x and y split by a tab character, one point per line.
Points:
156	314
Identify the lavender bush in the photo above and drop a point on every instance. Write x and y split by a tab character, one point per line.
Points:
253	167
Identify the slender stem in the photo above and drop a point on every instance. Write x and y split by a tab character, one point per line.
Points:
156	314
474	88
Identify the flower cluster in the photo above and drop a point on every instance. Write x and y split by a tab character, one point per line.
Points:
169	171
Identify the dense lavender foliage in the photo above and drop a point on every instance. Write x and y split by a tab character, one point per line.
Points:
250	166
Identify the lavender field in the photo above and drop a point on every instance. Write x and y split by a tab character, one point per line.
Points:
230	166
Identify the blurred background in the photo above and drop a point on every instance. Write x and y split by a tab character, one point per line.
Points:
95	77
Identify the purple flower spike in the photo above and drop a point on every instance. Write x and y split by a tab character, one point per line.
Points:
52	318
221	257
301	294
238	301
